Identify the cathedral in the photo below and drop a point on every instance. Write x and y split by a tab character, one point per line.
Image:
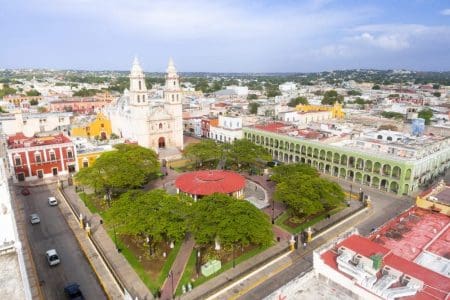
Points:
152	119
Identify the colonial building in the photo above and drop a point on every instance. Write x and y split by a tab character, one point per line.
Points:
82	105
145	117
31	123
40	157
95	128
228	129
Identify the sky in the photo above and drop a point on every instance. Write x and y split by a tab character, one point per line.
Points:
226	35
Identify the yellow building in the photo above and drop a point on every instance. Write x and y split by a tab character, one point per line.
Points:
436	199
87	157
336	109
99	128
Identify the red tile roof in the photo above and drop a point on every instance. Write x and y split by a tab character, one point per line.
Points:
364	246
209	182
19	140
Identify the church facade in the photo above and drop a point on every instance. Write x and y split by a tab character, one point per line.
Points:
152	119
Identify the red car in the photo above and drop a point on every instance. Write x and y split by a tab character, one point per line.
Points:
25	191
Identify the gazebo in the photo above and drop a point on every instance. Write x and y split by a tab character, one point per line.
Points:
203	183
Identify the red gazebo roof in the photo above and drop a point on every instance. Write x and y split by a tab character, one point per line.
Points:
209	182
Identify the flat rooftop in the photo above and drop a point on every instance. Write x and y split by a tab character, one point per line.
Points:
11	285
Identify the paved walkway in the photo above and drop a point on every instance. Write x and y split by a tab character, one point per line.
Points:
177	269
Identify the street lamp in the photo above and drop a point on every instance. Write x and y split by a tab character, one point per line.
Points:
351	191
273	211
198	261
171	278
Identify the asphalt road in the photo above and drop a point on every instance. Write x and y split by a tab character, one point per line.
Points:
53	232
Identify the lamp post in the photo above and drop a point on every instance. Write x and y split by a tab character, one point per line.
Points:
198	262
351	191
108	196
273	211
171	278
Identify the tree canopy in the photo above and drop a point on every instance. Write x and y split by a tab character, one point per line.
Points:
231	220
130	166
155	215
300	187
246	153
426	114
331	97
33	93
202	151
253	107
296	101
7	90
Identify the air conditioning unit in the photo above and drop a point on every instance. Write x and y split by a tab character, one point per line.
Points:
387	270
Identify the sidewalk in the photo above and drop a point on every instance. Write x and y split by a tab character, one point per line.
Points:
177	269
117	262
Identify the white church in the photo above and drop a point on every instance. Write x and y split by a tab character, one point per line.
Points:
144	116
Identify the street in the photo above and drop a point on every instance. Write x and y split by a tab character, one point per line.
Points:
54	233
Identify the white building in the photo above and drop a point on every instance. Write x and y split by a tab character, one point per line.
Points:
287	87
301	118
240	90
228	129
153	122
31	123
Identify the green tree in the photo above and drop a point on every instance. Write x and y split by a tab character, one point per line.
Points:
34	102
202	151
33	93
232	221
354	93
376	87
252	97
131	166
392	115
253	107
426	114
437	94
7	91
246	153
86	92
296	101
153	216
282	171
436	86
331	97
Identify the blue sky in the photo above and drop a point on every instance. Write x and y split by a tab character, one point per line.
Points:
226	35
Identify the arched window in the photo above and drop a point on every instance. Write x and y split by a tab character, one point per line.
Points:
52	155
380	137
139	98
37	157
160	125
177	97
173	98
174	83
140	85
69	153
143	98
17	160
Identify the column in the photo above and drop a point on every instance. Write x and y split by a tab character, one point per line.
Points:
27	156
62	159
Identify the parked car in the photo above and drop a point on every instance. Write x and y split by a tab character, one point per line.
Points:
73	291
25	191
52	257
34	219
52	201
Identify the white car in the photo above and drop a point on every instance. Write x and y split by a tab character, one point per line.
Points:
52	201
52	257
34	219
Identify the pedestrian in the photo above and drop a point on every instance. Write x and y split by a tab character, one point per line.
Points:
304	245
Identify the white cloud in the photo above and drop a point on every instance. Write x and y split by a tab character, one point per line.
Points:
445	12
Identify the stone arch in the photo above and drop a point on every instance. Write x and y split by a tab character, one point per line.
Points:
368	166
406	189
396	172
275	154
376	182
350	175
336	158
304	150
257	139
366	179
358	177
297	158
387	169
327	169
271	142
267	141
292	147
351	162
309	152
297	148
281	145
162	142
286	158
291	158
335	171
393	187
329	156
360	164
302	160
322	154
316	153
342	173
384	184
344	159
321	166
376	168
408	174
308	161
275	144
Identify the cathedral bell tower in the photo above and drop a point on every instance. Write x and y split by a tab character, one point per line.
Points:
138	90
173	102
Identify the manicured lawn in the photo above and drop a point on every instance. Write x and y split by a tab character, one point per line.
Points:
190	272
280	221
88	201
139	268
